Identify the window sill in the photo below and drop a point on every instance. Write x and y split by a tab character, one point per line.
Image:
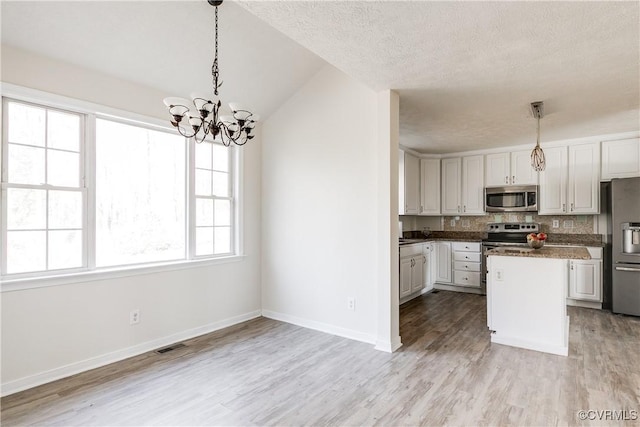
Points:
10	285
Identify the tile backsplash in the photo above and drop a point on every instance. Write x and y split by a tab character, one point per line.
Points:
567	224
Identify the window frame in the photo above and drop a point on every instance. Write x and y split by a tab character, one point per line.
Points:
90	112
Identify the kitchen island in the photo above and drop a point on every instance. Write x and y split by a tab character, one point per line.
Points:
526	297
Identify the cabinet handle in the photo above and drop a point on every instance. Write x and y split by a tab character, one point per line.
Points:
627	269
458	208
571	263
424	258
571	207
564	207
506	179
513	179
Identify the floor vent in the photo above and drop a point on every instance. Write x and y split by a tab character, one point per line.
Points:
170	348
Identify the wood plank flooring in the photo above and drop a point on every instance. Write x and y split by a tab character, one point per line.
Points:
265	372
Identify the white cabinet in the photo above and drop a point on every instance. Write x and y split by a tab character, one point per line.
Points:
466	264
463	185
409	180
429	186
570	182
621	158
451	181
510	169
443	262
473	185
430	262
585	277
412	270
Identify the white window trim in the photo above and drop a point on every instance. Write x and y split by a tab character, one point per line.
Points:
90	272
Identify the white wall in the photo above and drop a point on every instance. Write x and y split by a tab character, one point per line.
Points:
320	214
55	331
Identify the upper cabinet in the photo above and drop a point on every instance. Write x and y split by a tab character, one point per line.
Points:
621	158
570	182
463	185
429	186
510	169
409	180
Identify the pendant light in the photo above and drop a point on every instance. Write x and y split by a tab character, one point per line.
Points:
537	155
204	116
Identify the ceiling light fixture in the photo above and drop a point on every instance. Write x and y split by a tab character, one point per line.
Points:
537	155
205	118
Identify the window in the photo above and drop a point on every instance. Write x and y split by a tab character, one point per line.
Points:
140	194
213	200
43	189
134	208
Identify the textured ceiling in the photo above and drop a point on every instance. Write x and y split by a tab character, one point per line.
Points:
467	71
165	45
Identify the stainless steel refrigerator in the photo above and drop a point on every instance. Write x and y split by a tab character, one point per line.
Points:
625	246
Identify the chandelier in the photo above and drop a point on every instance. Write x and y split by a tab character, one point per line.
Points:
537	155
204	116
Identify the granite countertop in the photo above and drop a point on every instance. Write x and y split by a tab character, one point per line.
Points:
553	239
545	252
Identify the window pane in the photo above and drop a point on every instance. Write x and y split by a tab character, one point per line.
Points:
204	241
65	209
203	155
26	251
220	184
140	194
203	182
26	165
63	168
222	240
223	212
221	158
65	249
204	212
26	124
63	131
26	209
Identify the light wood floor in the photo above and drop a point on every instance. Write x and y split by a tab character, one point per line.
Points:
265	372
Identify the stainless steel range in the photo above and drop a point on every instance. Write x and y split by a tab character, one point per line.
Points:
505	234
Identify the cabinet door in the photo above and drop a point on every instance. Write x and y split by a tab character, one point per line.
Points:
621	158
429	186
417	273
521	171
405	276
473	185
451	186
584	180
429	274
498	169
411	184
443	262
553	182
585	280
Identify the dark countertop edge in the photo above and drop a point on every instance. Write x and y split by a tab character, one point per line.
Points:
479	240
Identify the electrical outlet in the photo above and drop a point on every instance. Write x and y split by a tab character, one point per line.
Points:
351	303
499	275
134	316
556	223
568	223
453	222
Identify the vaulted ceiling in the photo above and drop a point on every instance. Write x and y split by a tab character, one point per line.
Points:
466	72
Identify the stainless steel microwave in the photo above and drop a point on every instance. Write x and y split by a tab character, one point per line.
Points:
515	198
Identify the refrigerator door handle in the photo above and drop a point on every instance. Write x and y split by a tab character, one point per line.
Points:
627	269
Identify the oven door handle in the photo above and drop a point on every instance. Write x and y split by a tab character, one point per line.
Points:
627	269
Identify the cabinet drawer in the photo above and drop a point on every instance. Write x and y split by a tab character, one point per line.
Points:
466	278
410	250
466	266
465	246
466	256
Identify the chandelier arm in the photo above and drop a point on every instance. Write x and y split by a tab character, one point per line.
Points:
184	134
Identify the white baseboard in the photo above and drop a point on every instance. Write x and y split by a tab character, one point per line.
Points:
320	326
389	346
31	381
585	304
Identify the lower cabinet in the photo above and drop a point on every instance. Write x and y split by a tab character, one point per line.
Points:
443	262
412	270
585	277
428	250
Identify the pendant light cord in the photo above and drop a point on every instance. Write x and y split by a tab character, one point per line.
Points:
214	68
